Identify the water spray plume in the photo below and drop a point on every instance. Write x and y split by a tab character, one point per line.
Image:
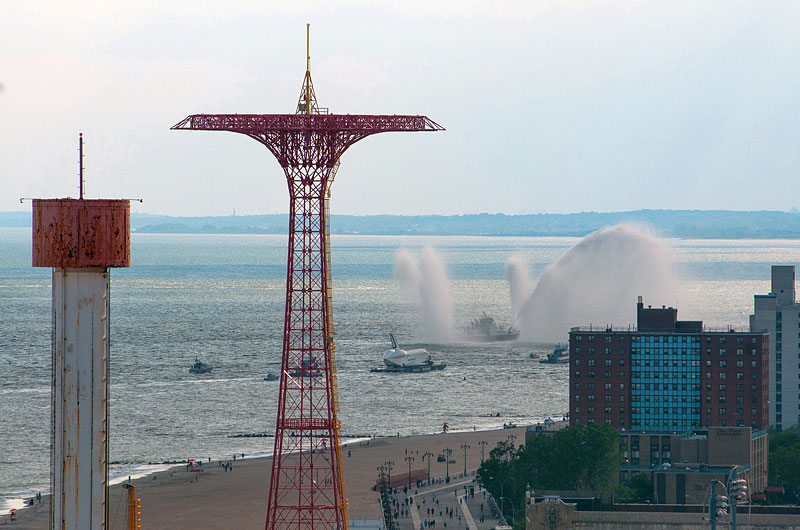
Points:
427	279
596	282
518	282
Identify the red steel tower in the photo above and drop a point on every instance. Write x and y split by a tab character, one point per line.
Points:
307	484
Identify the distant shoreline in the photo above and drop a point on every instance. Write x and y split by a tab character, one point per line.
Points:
683	224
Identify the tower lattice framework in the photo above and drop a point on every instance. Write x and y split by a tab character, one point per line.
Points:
307	485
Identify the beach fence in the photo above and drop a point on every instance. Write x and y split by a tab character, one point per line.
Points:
403	479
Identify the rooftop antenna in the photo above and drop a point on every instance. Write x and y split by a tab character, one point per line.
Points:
80	165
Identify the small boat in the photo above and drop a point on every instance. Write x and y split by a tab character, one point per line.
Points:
485	329
271	377
535	356
560	355
199	367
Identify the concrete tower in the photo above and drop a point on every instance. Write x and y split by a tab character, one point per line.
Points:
80	239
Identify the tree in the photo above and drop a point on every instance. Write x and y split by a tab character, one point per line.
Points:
573	458
639	488
784	461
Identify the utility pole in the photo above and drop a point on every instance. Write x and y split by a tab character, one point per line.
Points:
409	459
389	465
465	447
483	444
427	455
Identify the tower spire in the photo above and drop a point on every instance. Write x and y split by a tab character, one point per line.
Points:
307	104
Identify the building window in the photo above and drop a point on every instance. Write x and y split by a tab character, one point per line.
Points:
577	397
739	375
591	374
578	338
722	411
577	374
608	362
591	362
577	362
722	364
621	398
590	386
591	397
740	412
608	397
739	399
577	386
622	362
722	399
608	386
722	375
723	388
608	375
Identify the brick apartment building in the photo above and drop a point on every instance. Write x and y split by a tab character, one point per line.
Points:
668	375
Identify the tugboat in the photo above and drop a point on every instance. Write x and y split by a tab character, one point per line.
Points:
560	355
308	368
399	360
485	329
199	367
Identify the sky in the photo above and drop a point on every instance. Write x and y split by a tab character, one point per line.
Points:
549	106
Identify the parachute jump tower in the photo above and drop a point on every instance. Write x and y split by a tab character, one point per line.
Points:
307	485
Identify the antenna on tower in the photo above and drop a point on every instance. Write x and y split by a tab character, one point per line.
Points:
80	165
307	103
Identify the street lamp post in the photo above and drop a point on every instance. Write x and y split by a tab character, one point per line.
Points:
502	483
513	518
389	465
447	453
483	444
737	491
427	456
465	447
409	459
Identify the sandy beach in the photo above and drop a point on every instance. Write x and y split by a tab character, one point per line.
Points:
178	499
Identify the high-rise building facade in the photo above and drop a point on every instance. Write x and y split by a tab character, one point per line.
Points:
778	314
668	375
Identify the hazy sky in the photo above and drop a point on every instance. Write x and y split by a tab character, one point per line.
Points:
550	106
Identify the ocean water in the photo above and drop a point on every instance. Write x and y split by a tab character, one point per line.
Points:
221	299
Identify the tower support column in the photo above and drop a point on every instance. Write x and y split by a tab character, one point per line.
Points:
80	397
